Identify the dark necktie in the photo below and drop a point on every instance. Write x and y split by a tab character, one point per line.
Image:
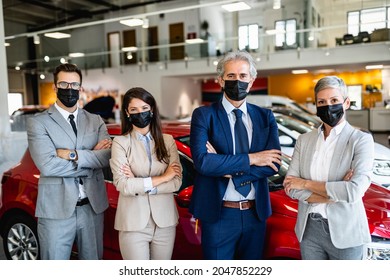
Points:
72	123
241	145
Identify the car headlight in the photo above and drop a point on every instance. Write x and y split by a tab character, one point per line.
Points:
381	167
379	249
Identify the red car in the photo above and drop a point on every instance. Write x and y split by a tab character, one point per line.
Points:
18	225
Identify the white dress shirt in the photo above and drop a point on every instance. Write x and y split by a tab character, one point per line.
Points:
231	194
322	159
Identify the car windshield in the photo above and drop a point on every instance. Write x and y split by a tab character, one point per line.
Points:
292	124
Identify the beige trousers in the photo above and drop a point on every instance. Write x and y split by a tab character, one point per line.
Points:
151	243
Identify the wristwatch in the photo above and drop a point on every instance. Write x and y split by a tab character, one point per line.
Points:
72	155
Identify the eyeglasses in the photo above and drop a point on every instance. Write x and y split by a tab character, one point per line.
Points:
65	85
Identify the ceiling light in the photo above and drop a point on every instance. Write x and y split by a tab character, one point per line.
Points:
57	35
76	54
46	58
62	60
194	41
7	44
145	23
234	7
277	4
311	36
129	55
132	22
17	68
129	49
369	67
42	76
300	71
274	31
37	40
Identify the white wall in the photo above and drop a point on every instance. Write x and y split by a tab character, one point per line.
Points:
179	96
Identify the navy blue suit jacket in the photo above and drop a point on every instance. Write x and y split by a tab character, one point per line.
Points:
210	123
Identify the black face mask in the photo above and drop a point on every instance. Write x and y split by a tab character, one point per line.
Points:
236	90
331	114
68	96
141	120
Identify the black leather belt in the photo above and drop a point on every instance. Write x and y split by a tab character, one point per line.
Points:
242	205
82	202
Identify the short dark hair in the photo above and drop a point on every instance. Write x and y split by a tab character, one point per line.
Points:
67	67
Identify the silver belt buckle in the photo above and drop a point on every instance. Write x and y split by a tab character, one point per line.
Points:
241	204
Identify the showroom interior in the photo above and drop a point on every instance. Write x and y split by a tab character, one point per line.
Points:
171	49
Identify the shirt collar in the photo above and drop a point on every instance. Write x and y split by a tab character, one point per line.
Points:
336	130
229	107
141	137
65	113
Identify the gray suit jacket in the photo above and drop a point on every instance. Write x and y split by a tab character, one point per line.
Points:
347	218
58	183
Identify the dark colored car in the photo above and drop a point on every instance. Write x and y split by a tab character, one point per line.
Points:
18	225
18	118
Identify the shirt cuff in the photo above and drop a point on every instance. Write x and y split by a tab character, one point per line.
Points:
148	186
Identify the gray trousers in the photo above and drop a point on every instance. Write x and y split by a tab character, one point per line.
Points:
317	245
84	227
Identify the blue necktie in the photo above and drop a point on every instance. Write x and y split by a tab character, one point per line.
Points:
241	145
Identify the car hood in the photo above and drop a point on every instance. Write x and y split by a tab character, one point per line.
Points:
377	204
381	152
376	201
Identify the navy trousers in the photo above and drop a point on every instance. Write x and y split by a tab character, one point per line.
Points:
238	234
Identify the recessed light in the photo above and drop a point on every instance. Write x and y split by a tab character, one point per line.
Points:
234	7
300	71
57	35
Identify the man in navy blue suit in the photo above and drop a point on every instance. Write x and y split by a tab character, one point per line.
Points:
234	151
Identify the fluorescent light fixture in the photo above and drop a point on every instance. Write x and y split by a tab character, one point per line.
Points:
274	31
132	22
194	41
234	7
277	4
300	71
76	54
325	71
129	49
7	44
370	67
311	36
57	35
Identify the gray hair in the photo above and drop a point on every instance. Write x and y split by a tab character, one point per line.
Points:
331	82
237	55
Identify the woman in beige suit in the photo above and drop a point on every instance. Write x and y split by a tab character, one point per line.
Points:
147	171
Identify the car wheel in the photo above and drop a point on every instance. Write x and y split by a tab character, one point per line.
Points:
21	239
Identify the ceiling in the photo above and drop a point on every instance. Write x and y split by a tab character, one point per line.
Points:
40	15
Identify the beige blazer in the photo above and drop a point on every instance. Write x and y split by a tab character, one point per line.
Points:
134	205
347	217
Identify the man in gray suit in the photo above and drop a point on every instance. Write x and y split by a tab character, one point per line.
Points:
70	147
329	174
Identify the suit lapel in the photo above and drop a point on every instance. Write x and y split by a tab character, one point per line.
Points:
256	137
59	119
308	150
81	126
224	121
